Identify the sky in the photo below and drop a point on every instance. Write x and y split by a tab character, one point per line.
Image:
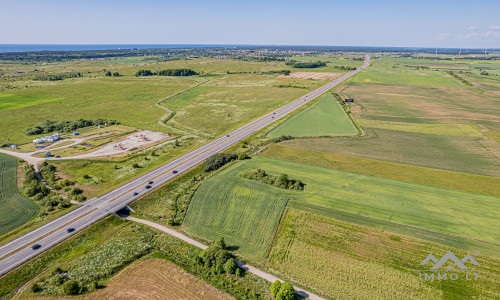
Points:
401	23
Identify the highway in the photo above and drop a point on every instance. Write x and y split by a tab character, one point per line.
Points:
18	251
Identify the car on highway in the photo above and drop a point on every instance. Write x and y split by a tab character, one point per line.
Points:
136	193
71	229
36	246
151	182
148	186
227	135
174	171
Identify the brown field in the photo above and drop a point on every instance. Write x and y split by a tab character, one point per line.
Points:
312	75
153	279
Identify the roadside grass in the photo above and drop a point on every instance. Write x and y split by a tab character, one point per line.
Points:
245	212
427	207
90	255
323	118
463	154
107	173
15	209
10	102
428	176
184	98
344	260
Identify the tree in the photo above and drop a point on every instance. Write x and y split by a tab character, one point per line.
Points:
35	288
275	288
108	73
242	156
221	243
116	74
71	287
286	292
284	181
230	266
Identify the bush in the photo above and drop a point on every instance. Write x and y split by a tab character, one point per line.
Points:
221	243
135	165
230	266
35	288
275	288
71	287
286	292
243	156
281	181
218	160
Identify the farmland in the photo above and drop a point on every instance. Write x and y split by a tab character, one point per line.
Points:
16	210
428	176
245	212
323	118
466	154
418	205
359	262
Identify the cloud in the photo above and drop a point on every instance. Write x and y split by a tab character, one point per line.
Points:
443	36
494	27
470	35
472	28
491	33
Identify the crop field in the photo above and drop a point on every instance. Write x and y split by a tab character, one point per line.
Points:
348	261
245	212
150	278
466	154
11	101
428	176
323	118
15	209
445	129
422	206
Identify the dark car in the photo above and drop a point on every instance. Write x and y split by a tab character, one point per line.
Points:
227	135
36	246
58	156
136	193
274	113
71	229
174	171
151	182
148	186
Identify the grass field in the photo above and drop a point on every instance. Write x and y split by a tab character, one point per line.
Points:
348	261
11	101
246	213
184	98
148	279
466	154
16	210
444	129
428	176
427	207
323	118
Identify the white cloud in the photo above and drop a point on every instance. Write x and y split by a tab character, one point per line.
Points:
491	33
472	28
470	35
494	27
443	36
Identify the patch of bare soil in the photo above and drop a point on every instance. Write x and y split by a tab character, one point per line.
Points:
153	279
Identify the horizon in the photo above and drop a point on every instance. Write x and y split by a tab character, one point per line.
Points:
430	24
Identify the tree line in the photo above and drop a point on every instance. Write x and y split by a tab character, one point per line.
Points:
55	77
167	72
282	181
65	126
296	64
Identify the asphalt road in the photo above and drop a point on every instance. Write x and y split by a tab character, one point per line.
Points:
18	251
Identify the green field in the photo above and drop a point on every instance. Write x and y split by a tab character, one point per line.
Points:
466	154
11	101
16	210
245	212
444	129
348	261
427	207
185	97
323	118
428	176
